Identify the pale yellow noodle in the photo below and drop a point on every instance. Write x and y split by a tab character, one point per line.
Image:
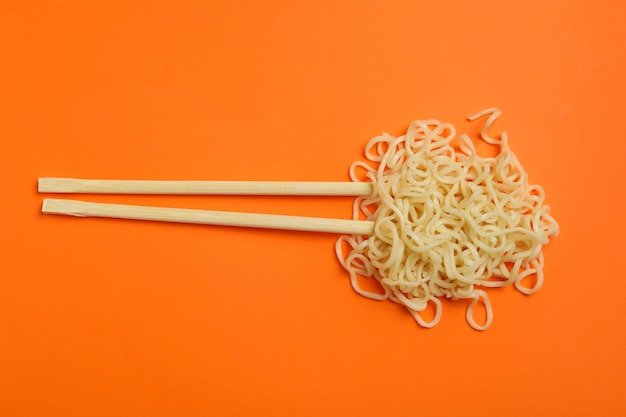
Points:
447	221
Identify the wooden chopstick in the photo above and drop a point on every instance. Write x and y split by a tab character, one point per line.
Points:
97	186
224	218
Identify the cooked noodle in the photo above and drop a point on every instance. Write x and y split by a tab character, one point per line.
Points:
447	221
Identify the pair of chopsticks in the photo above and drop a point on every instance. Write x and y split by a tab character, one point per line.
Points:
223	218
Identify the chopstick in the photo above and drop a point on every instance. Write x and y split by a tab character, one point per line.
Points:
223	218
179	215
98	186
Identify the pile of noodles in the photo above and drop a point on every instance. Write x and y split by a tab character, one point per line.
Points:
448	223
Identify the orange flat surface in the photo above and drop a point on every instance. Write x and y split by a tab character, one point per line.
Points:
122	318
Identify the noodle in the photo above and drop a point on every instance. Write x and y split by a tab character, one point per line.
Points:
447	221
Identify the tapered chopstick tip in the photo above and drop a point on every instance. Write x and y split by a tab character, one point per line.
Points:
42	185
65	207
57	185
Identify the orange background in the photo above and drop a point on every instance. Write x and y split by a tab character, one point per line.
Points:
119	318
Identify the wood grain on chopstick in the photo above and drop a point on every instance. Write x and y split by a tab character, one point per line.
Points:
96	186
223	218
